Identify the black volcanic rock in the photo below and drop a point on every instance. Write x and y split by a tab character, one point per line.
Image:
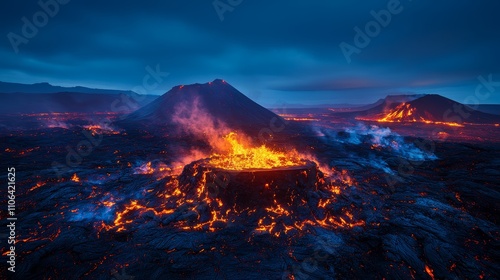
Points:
442	220
252	188
216	100
433	108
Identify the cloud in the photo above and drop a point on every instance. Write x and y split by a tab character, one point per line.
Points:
290	46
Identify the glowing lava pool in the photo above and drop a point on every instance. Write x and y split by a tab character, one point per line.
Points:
241	156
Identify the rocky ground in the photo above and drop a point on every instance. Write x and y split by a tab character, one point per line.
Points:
401	208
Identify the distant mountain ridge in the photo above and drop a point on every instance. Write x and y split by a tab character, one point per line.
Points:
381	106
6	87
68	102
16	98
493	109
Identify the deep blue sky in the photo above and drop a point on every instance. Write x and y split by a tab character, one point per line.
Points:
273	51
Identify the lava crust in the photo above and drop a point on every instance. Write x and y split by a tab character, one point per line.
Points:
253	187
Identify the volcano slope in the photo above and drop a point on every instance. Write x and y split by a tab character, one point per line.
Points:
215	105
431	108
378	206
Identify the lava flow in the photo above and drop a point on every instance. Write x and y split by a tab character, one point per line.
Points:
174	194
406	113
272	192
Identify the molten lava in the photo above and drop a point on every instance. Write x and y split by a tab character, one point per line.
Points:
402	112
270	192
242	157
406	113
75	178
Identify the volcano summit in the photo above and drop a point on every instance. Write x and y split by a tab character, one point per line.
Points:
217	101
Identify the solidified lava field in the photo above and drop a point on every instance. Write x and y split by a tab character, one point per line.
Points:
366	203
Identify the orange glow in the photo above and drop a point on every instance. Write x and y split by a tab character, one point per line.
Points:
443	123
75	178
121	217
403	110
216	217
240	156
290	117
96	129
429	271
108	203
302	119
148	169
405	113
236	153
39	184
159	170
297	118
453	266
275	221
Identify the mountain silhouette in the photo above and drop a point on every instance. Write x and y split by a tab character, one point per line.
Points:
6	87
432	108
386	104
217	101
69	102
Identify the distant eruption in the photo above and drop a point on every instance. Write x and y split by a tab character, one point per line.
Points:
432	109
406	113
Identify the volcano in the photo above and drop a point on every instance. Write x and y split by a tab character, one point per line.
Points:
433	108
387	104
216	100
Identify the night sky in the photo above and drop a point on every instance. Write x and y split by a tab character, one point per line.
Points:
275	52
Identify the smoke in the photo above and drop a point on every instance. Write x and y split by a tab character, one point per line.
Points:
96	211
187	158
376	139
92	213
384	138
144	168
57	124
194	120
379	163
160	169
